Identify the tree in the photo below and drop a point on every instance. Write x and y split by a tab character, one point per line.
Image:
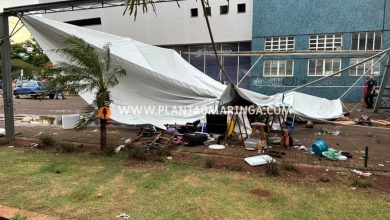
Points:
89	70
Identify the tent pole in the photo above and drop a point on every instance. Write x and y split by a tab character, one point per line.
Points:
382	87
246	74
7	79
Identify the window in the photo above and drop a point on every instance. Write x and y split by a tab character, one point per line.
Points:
366	41
86	22
323	67
273	68
194	12
208	11
224	9
279	43
241	8
326	42
362	68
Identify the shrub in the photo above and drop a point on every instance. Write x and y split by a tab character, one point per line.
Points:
48	140
4	141
18	217
290	167
137	153
67	148
272	169
163	152
234	167
210	163
109	150
361	183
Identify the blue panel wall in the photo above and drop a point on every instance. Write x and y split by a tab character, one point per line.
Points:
302	18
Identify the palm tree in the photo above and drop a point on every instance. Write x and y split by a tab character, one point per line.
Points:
89	70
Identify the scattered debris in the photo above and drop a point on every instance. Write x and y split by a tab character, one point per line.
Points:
100	195
128	141
2	132
381	165
309	124
11	146
123	216
38	134
363	120
330	132
34	145
361	173
259	160
324	179
119	148
169	158
95	131
217	146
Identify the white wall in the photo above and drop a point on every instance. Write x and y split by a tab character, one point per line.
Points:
172	25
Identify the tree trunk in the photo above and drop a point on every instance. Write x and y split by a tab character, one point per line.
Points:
103	134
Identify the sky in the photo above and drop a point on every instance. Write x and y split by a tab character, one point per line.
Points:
23	34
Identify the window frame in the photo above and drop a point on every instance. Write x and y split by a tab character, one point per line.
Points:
278	68
279	40
366	34
223	7
336	38
365	67
208	11
194	10
238	8
323	66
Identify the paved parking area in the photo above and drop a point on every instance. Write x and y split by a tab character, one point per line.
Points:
70	105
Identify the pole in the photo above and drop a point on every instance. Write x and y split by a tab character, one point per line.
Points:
382	88
365	157
7	80
338	72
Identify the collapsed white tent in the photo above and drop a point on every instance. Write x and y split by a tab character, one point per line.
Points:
160	86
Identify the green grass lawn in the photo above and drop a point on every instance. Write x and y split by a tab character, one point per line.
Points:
68	186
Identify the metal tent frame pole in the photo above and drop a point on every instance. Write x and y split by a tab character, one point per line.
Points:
7	79
385	79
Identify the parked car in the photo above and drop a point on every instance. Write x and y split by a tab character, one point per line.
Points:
33	89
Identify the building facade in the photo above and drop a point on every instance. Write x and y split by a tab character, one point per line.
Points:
261	25
317	25
183	29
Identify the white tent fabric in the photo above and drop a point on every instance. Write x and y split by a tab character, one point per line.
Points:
160	86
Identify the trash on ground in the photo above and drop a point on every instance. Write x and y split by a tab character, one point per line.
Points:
381	165
11	146
119	148
169	158
333	154
363	120
38	134
259	160
95	131
361	173
330	132
217	146
34	145
2	132
319	146
123	216
309	124
128	141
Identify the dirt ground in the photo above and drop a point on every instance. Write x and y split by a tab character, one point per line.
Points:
352	139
